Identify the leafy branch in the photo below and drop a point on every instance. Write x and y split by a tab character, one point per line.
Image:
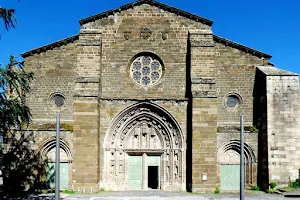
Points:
8	17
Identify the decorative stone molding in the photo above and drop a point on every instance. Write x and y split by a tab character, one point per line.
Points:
203	81
140	130
164	35
204	94
145	33
127	35
202	43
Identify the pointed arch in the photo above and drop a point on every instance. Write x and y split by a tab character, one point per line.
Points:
229	154
148	113
235	145
50	144
144	129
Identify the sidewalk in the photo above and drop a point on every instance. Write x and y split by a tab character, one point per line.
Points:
161	195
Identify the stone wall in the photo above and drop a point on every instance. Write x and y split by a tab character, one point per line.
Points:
87	112
203	113
235	73
283	127
54	72
118	52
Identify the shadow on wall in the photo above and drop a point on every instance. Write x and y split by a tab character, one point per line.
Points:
189	157
260	122
24	170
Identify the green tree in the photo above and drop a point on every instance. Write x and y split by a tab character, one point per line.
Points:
21	166
14	83
8	17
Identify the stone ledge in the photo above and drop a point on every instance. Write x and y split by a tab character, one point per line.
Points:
87	80
203	81
202	43
204	94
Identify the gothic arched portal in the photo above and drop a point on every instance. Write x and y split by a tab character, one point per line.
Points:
144	149
48	150
229	160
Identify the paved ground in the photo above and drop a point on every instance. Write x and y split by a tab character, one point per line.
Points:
160	195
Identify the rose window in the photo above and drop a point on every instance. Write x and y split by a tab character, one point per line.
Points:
146	70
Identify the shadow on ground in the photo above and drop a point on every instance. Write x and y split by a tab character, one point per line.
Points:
24	170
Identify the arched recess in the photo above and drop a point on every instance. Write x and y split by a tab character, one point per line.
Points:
144	129
229	154
47	150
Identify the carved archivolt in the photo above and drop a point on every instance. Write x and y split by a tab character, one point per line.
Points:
47	150
229	154
144	128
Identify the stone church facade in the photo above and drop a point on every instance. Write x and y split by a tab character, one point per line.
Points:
150	98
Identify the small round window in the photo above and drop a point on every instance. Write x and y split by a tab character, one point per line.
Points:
146	70
57	100
232	101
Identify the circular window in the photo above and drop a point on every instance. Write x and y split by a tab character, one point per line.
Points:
57	100
146	70
232	101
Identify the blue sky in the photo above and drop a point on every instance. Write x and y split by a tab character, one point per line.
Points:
271	26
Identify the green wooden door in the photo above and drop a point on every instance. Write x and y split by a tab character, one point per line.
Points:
64	175
135	172
230	177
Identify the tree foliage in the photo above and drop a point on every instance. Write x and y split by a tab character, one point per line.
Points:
14	83
7	15
20	164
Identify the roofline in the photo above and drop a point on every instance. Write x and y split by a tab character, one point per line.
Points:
76	37
50	46
286	73
241	47
150	2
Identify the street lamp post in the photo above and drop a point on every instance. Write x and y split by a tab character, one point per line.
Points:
242	182
57	158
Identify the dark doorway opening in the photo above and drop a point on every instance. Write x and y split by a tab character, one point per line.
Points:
153	177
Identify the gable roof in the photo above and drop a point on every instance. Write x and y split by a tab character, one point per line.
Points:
152	3
241	47
50	46
76	37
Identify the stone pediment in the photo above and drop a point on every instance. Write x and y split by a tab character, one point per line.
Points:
149	2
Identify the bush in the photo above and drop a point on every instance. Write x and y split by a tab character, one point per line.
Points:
295	185
298	180
217	191
273	185
255	187
68	191
269	191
